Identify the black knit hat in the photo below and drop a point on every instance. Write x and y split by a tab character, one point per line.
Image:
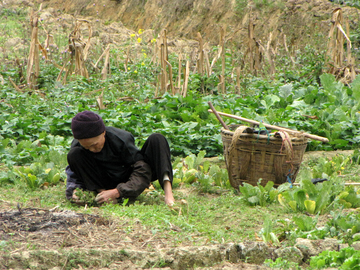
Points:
87	124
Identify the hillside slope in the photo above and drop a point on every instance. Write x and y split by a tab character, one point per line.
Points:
300	20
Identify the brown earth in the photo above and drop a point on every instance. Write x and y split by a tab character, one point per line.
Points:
47	238
299	20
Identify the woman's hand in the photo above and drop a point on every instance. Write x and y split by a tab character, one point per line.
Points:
109	196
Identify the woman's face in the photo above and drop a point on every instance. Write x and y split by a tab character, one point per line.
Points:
94	144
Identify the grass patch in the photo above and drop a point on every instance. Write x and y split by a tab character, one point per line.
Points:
205	219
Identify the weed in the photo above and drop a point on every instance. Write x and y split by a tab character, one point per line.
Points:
346	258
261	3
240	6
282	264
123	252
85	197
259	195
266	233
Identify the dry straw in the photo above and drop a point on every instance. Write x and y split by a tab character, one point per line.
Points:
222	44
33	67
344	71
79	50
339	62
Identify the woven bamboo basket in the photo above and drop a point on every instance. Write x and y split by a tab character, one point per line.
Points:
272	157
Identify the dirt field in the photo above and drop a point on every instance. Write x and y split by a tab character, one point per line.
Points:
63	239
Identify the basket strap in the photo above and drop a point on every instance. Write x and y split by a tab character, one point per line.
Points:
232	148
287	147
236	137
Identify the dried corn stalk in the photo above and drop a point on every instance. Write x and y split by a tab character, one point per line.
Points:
286	49
106	63
170	76
163	74
216	57
267	51
186	79
164	78
250	43
201	54
268	55
100	101
207	63
335	50
238	87
179	71
33	67
222	76
79	50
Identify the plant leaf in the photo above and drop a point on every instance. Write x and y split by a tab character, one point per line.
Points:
310	206
292	204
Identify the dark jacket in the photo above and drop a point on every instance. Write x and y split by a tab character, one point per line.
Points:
121	163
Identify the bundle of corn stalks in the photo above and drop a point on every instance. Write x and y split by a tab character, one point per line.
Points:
78	49
339	63
165	76
33	66
257	52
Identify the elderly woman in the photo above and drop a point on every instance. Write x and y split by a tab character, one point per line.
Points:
106	160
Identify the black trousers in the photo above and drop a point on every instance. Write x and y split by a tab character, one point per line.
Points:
156	153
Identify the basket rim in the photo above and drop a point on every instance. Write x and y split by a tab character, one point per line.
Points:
300	138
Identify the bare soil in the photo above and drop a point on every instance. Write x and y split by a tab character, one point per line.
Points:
50	231
184	19
298	20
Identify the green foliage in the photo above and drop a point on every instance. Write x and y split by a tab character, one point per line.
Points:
346	258
324	167
349	198
259	195
240	6
85	197
262	3
266	233
305	223
286	99
355	158
309	197
35	137
351	3
342	226
281	264
197	171
36	175
185	120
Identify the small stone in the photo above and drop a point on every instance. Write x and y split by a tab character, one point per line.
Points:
255	252
291	254
356	245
